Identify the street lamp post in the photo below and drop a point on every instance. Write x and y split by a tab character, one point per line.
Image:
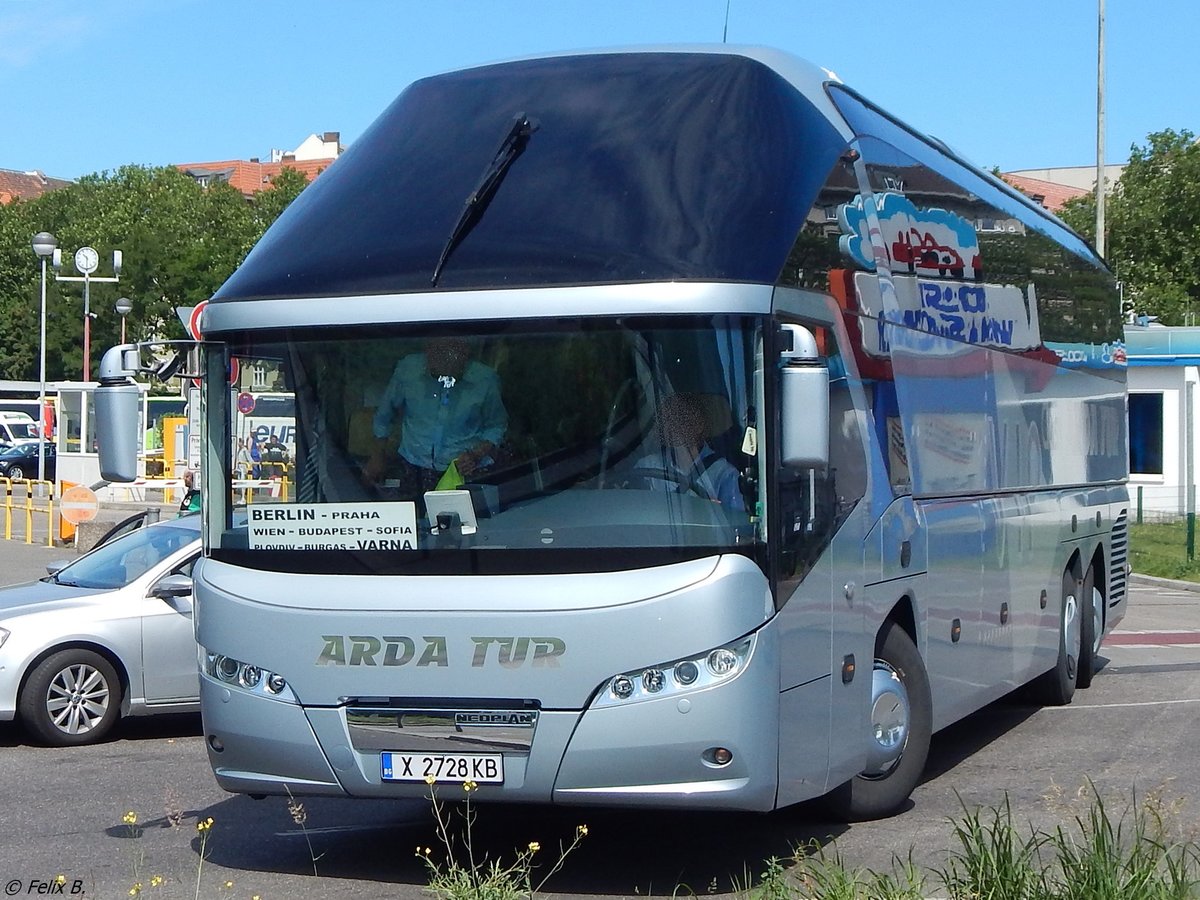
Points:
44	245
87	260
123	307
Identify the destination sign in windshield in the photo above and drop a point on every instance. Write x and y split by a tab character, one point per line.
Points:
332	526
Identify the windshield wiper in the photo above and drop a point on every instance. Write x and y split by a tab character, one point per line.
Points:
510	148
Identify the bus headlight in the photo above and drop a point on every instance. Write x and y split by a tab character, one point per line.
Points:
692	674
248	677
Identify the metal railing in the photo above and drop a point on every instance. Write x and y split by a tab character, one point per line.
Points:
30	505
275	488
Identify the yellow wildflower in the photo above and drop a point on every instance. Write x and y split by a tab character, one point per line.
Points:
470	785
582	831
205	825
61	879
135	890
228	885
130	818
430	780
534	846
156	880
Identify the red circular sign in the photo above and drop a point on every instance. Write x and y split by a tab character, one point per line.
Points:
245	402
193	325
78	504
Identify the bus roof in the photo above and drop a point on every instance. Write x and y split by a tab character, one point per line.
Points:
658	164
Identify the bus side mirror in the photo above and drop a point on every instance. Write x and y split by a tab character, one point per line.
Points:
117	399
804	401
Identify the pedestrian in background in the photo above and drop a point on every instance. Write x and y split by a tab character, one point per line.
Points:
191	499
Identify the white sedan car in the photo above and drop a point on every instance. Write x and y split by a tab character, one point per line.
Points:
108	635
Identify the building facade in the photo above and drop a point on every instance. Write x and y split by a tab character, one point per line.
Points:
1164	369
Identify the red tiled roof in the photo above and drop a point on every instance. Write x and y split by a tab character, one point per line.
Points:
248	176
26	185
1049	194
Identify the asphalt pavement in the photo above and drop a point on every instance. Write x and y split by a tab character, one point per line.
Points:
20	562
1132	734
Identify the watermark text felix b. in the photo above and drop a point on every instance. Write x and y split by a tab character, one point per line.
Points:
60	885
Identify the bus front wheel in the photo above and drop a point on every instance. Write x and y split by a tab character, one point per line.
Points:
900	722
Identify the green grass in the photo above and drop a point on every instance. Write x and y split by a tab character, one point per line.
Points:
1130	850
1161	550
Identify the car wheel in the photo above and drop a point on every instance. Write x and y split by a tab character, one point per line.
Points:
1057	687
900	722
16	473
73	697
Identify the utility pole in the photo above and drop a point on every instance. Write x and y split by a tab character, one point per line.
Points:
1100	132
87	261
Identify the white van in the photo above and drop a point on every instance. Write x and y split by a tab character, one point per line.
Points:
17	426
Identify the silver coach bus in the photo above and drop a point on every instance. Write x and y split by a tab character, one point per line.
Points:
904	433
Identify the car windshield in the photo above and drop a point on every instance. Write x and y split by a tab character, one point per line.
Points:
19	450
586	435
121	561
22	430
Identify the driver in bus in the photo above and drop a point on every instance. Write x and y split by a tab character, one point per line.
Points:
451	418
685	460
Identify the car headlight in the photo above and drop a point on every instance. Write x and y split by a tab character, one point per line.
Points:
246	676
680	676
4	632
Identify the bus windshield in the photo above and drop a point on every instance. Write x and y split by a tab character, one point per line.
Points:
512	439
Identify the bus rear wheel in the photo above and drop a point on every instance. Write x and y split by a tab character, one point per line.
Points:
1091	629
1057	687
900	723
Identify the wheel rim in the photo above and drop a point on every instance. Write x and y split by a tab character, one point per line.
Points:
16	473
891	715
1097	620
77	699
1072	633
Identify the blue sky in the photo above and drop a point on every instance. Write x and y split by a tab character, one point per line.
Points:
88	85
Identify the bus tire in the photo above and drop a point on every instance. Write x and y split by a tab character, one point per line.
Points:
1057	687
1091	629
902	712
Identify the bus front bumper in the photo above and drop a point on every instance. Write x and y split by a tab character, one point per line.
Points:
713	749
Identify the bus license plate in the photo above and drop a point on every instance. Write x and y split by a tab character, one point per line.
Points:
484	768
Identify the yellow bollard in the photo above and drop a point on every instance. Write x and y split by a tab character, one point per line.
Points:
29	512
50	515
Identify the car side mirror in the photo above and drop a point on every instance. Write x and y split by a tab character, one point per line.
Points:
171	587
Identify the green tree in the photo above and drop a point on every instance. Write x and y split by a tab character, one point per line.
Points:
180	242
270	203
1152	221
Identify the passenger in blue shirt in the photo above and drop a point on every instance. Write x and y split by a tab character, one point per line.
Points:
688	464
450	411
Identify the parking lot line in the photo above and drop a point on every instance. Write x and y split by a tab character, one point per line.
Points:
1129	705
1151	638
